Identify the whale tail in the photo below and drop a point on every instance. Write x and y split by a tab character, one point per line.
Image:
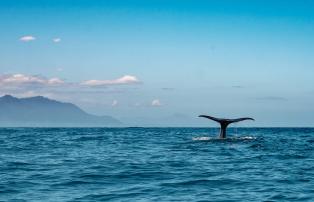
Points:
224	123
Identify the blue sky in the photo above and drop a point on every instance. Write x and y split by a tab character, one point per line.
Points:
164	62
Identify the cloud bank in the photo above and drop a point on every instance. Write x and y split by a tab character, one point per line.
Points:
21	79
23	85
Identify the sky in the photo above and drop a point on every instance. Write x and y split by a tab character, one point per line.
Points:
162	63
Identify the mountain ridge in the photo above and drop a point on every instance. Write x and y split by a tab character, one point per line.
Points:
41	111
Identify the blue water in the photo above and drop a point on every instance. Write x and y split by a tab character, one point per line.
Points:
156	164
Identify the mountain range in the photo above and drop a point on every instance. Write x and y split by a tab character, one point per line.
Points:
40	111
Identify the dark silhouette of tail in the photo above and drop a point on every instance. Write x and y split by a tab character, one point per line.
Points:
224	123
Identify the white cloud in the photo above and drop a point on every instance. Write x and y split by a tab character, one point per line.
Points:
114	103
23	85
27	38
19	84
21	79
56	40
156	103
55	81
127	79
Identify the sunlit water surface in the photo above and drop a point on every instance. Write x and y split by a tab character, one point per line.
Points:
156	164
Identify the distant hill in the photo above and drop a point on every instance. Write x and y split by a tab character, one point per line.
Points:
41	111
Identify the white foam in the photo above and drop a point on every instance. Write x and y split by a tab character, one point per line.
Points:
229	138
247	138
201	138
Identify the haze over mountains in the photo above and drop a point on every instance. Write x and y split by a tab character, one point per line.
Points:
41	111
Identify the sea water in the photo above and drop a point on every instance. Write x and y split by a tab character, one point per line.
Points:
156	164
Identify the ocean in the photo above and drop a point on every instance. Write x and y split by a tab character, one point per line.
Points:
156	164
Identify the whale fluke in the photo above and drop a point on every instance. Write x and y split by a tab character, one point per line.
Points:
224	123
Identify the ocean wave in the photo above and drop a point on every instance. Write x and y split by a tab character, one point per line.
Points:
152	164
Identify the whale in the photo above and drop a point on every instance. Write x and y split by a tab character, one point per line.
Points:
224	123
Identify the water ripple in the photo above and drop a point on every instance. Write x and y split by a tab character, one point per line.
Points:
156	164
